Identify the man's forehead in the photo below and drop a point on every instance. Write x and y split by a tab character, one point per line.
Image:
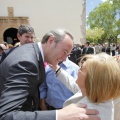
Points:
27	34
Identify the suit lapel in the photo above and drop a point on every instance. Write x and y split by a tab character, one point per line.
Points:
40	62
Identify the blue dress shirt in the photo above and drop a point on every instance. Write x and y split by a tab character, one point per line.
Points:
53	90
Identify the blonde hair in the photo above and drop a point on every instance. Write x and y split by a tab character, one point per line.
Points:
103	77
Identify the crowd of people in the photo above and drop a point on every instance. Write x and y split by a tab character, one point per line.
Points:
56	80
88	48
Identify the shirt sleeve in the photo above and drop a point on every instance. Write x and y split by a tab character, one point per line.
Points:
43	90
68	81
44	87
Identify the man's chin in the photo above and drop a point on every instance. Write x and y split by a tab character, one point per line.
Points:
53	63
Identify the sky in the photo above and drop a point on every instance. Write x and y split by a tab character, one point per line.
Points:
91	4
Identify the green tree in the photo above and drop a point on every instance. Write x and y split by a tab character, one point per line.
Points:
116	6
104	16
93	35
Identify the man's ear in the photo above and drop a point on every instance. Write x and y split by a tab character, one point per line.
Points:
50	40
18	36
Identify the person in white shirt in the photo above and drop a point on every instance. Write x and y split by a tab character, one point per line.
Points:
97	85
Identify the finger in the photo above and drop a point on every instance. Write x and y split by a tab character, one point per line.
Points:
81	105
89	117
93	117
92	112
50	65
88	111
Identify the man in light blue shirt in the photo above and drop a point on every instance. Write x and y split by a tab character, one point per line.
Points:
53	92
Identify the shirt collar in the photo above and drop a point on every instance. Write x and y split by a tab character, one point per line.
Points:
41	50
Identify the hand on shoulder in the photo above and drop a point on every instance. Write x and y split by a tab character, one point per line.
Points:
77	112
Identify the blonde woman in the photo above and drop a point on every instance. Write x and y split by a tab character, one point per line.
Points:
97	85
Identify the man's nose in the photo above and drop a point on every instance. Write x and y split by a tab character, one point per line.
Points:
31	40
64	58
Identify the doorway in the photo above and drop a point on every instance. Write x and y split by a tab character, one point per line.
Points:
10	36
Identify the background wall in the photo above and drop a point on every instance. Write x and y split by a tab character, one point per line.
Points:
45	15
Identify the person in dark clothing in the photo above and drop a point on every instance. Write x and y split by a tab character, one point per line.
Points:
75	54
106	49
87	49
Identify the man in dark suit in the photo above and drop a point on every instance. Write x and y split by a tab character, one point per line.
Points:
75	54
87	49
22	72
106	48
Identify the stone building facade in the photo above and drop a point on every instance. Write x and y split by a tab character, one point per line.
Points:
43	15
9	25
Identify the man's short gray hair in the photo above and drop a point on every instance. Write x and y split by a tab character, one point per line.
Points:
25	29
58	34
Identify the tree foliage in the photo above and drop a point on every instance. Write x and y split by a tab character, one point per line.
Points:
107	17
116	5
93	35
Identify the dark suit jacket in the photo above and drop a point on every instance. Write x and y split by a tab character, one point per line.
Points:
21	73
5	53
89	51
107	50
75	55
